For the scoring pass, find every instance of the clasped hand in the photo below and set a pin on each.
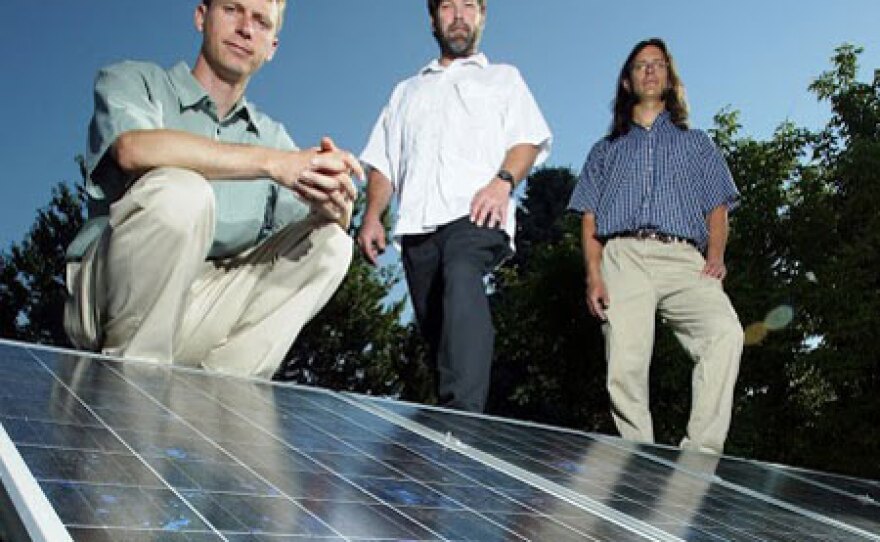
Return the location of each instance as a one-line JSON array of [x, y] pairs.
[[323, 177]]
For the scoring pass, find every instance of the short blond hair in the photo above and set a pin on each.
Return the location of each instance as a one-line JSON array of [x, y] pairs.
[[282, 4]]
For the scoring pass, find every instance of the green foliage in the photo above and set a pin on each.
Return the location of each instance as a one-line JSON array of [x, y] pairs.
[[356, 343], [548, 365], [32, 273]]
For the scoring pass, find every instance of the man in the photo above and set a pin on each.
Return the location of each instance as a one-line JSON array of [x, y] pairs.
[[655, 197], [212, 238], [452, 143]]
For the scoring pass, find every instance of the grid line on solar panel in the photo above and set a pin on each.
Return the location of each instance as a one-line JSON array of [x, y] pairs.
[[486, 428], [781, 519], [504, 470], [231, 411], [828, 505], [219, 497], [342, 464], [106, 396], [851, 503], [64, 493], [541, 460], [829, 534], [448, 454]]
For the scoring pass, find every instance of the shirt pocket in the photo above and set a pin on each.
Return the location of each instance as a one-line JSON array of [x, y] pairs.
[[482, 105]]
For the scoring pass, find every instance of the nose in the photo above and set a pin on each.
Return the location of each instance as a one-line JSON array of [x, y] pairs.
[[245, 25]]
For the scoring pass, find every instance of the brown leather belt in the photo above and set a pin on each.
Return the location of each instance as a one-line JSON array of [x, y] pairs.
[[655, 235]]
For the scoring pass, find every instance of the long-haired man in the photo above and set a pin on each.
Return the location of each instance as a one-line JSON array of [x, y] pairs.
[[654, 196]]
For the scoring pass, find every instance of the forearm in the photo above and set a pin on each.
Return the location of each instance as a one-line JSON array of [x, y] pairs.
[[379, 192], [717, 223], [139, 151], [591, 247], [520, 159]]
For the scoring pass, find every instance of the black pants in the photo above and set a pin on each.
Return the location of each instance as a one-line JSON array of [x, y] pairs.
[[444, 273]]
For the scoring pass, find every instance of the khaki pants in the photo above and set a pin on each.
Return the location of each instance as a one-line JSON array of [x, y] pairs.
[[144, 289], [643, 276]]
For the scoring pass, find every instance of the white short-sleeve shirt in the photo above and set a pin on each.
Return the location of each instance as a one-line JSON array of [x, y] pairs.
[[444, 134]]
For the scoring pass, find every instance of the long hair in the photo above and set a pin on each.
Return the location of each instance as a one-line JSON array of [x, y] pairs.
[[625, 99]]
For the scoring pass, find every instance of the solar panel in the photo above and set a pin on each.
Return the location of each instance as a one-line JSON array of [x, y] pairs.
[[94, 449]]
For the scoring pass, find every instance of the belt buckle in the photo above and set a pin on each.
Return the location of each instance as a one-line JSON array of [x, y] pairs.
[[643, 234]]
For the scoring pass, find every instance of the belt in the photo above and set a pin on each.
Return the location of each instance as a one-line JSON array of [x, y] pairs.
[[655, 235]]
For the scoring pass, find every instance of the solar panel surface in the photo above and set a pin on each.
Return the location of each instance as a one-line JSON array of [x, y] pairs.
[[136, 451]]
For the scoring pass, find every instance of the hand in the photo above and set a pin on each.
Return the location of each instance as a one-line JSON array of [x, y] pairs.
[[714, 268], [371, 239], [340, 165], [597, 298], [489, 206], [322, 177]]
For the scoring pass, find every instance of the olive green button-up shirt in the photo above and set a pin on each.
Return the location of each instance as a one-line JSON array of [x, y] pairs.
[[142, 96]]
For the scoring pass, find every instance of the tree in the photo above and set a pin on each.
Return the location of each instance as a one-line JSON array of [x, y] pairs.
[[32, 278], [548, 363], [842, 251]]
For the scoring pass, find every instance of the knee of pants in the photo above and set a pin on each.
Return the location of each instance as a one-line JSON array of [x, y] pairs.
[[730, 330], [176, 199]]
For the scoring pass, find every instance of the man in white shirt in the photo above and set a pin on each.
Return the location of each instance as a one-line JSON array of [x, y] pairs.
[[451, 144]]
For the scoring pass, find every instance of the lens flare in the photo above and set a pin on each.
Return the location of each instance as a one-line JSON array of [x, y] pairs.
[[755, 333], [779, 317]]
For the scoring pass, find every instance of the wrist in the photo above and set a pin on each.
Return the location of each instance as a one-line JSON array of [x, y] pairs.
[[268, 162], [507, 178], [372, 218]]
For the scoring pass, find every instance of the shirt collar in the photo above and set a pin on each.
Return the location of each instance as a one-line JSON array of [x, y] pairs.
[[663, 120], [191, 94], [478, 59]]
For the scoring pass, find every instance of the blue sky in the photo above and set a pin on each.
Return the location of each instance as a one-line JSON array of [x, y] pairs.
[[339, 60]]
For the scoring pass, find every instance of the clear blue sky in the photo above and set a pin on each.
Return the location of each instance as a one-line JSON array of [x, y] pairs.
[[339, 59]]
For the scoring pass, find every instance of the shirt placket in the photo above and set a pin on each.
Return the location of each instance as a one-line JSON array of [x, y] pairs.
[[436, 148], [648, 179]]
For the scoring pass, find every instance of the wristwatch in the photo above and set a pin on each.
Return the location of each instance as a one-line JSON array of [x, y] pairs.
[[507, 177]]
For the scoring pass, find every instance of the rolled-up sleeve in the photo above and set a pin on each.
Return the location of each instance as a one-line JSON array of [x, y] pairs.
[[523, 121], [585, 196], [122, 104]]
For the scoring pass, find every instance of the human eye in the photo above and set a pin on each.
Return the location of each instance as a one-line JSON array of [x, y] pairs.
[[264, 23]]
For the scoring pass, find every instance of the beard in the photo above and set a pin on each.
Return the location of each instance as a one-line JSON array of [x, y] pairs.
[[460, 46]]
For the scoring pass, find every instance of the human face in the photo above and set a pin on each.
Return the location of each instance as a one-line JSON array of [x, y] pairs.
[[238, 36], [458, 25], [649, 74]]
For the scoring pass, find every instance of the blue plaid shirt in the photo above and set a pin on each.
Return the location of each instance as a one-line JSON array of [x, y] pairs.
[[663, 178]]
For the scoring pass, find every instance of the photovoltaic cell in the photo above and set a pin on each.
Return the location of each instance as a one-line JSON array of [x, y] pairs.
[[133, 451]]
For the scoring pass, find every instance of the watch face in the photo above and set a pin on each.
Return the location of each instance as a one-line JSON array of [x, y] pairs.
[[505, 175]]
